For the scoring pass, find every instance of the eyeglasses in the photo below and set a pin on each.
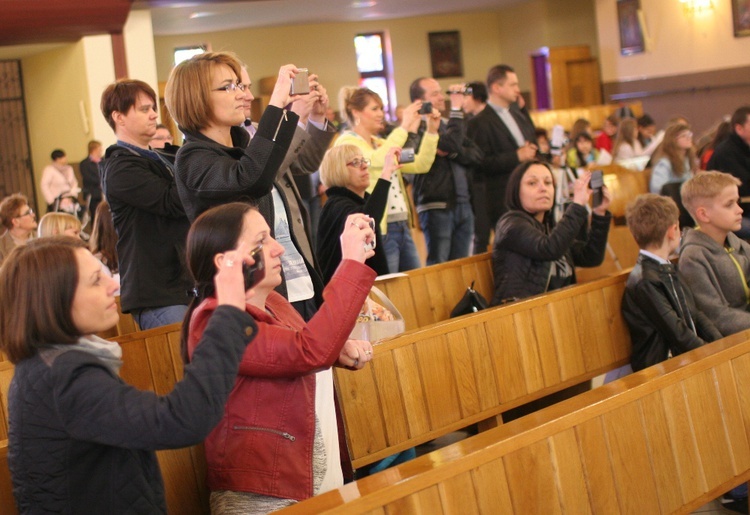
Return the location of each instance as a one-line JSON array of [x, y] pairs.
[[27, 213], [232, 87], [359, 162]]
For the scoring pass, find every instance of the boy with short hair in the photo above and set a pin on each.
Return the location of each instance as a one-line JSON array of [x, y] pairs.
[[658, 308], [713, 260]]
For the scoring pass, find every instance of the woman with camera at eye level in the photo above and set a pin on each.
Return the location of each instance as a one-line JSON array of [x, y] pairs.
[[344, 171], [278, 441], [364, 113], [80, 439], [531, 253]]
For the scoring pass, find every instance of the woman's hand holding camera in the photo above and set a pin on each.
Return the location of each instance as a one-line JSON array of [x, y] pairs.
[[601, 209], [358, 238], [411, 117], [390, 163], [280, 96], [229, 281]]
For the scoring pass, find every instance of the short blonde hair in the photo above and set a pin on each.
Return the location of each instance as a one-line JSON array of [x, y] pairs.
[[649, 216], [55, 224], [704, 187], [188, 90], [333, 170]]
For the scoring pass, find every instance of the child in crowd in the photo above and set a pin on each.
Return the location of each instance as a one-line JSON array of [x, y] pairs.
[[659, 310], [59, 224], [606, 138], [715, 262], [582, 153]]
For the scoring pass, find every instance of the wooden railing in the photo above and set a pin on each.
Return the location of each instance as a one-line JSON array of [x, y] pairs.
[[667, 439]]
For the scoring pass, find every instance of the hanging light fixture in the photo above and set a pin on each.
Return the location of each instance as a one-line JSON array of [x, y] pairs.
[[697, 6]]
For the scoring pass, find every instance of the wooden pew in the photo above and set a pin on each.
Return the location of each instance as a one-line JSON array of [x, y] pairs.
[[668, 439], [596, 114], [7, 504], [429, 382], [427, 295]]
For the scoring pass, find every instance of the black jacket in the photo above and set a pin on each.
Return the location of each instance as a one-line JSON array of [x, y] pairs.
[[524, 249], [341, 203], [151, 229], [82, 441], [661, 314], [209, 174], [436, 189], [733, 156], [91, 180]]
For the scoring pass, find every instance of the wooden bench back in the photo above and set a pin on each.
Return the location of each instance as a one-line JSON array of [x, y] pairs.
[[7, 503], [429, 382], [667, 439], [596, 114]]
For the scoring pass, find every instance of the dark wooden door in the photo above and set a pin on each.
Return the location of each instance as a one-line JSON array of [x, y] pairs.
[[15, 158]]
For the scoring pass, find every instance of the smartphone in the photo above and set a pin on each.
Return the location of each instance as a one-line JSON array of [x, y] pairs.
[[300, 85], [257, 271], [596, 184], [373, 243], [407, 155], [426, 108]]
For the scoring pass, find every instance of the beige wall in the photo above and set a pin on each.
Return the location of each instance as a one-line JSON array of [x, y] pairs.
[[54, 85], [100, 72], [680, 43], [139, 47], [487, 38]]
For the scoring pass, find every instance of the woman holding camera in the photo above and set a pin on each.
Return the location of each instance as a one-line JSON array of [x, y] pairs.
[[80, 439], [278, 442], [531, 254], [364, 113], [344, 171]]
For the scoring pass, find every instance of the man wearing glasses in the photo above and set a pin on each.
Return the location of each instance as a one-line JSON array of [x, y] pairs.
[[19, 221]]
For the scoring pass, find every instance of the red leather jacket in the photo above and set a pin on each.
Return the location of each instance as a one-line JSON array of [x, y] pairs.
[[264, 442]]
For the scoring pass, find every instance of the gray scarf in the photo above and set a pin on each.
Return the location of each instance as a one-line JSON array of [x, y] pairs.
[[106, 351]]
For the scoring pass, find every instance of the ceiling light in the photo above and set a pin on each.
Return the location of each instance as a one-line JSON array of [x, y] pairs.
[[359, 4], [201, 14]]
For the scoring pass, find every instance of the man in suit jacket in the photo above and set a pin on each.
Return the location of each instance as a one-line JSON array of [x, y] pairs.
[[505, 135]]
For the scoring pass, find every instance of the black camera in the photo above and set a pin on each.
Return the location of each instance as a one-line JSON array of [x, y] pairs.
[[426, 108], [466, 91]]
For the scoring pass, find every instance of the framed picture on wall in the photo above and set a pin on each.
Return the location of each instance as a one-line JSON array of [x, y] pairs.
[[631, 31], [445, 54], [741, 17]]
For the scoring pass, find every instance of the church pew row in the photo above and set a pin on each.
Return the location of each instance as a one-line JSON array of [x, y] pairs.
[[429, 382], [668, 439], [596, 114]]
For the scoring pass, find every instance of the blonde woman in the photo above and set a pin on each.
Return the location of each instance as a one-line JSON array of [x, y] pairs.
[[363, 109], [59, 224]]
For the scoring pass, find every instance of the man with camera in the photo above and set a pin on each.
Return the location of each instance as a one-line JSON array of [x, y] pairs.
[[442, 196], [504, 133]]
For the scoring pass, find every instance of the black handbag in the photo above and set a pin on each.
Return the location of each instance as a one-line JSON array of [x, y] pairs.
[[471, 302]]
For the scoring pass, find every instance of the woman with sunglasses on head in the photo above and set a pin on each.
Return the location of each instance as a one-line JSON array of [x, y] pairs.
[[345, 172], [278, 442], [80, 439]]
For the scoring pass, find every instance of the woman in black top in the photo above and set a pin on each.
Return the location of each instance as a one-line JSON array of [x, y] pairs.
[[532, 254], [344, 171], [80, 439]]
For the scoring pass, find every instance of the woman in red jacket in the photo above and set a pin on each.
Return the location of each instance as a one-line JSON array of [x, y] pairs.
[[278, 442]]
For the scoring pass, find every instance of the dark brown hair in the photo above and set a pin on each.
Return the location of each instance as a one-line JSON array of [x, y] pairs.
[[356, 99], [214, 231], [104, 237], [37, 284], [120, 96]]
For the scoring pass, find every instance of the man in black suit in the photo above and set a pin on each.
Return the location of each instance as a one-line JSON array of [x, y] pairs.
[[505, 135]]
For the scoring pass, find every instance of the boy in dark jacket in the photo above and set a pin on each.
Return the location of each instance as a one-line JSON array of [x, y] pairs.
[[657, 306]]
